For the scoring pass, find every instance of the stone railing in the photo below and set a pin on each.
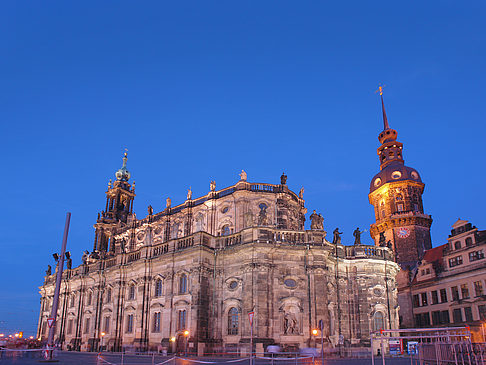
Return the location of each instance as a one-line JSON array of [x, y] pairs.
[[230, 240]]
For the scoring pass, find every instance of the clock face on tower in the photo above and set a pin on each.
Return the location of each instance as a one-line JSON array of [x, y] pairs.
[[403, 232]]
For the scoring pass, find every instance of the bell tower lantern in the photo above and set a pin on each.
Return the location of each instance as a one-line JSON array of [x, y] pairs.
[[119, 206], [396, 194]]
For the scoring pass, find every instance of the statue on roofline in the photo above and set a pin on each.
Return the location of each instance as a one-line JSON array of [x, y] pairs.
[[337, 237]]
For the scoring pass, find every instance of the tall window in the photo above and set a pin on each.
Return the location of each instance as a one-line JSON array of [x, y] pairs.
[[478, 288], [378, 321], [435, 297], [424, 298], [181, 320], [443, 296], [457, 315], [455, 293], [158, 288], [106, 325], [70, 327], [156, 322], [129, 323], [482, 312], [233, 321], [464, 291], [468, 314], [108, 295], [90, 297], [131, 292], [182, 284], [71, 303], [86, 326]]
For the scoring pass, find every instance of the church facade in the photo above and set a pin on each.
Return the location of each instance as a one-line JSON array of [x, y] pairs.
[[194, 271]]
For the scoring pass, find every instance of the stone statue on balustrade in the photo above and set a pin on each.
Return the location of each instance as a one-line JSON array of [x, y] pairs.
[[150, 210], [283, 179], [317, 221], [189, 194], [301, 193], [243, 175], [49, 270], [69, 263], [85, 257], [357, 236], [337, 237]]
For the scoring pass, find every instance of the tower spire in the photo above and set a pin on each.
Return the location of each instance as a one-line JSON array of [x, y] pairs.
[[385, 119]]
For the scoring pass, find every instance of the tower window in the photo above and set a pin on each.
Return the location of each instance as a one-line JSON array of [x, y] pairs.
[[399, 207]]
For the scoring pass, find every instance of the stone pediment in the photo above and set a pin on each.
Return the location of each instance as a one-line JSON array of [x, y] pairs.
[[459, 223], [156, 305]]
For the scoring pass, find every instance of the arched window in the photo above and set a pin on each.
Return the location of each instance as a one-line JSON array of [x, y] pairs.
[[378, 321], [182, 284], [90, 297], [457, 245], [158, 288], [469, 241], [233, 321], [382, 207], [131, 292], [108, 295], [225, 231]]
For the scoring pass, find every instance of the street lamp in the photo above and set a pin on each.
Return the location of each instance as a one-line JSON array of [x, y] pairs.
[[186, 335], [102, 337]]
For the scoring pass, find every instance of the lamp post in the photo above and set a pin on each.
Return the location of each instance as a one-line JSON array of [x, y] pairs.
[[102, 337], [186, 335]]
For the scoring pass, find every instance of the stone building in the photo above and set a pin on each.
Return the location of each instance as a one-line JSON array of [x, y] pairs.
[[204, 264], [448, 286]]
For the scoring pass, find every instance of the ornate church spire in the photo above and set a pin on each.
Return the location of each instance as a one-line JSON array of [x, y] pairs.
[[385, 119]]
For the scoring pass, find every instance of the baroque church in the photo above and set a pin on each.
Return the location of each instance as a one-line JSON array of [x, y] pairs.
[[200, 267]]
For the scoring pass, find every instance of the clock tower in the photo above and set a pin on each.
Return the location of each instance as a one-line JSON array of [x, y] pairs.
[[396, 194]]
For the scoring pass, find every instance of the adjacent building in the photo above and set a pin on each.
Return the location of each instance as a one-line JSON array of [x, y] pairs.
[[448, 287]]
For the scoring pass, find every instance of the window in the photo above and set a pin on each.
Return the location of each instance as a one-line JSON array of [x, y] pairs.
[[86, 326], [444, 317], [131, 292], [469, 242], [457, 245], [106, 325], [455, 261], [468, 314], [435, 297], [400, 207], [181, 320], [482, 312], [71, 303], [182, 284], [156, 322], [233, 321], [90, 297], [478, 288], [158, 288], [70, 327], [129, 323], [422, 320], [108, 295], [44, 327], [457, 315], [416, 301], [455, 293], [464, 291], [424, 299], [476, 255], [225, 231], [443, 296], [436, 317]]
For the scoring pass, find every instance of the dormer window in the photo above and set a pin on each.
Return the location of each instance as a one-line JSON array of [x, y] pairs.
[[469, 241], [457, 245]]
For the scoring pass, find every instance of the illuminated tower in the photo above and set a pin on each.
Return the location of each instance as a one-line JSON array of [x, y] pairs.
[[396, 194], [119, 205]]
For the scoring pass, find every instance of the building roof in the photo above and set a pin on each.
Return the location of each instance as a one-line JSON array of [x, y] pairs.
[[434, 254]]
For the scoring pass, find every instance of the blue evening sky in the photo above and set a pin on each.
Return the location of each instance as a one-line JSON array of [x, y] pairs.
[[200, 90]]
